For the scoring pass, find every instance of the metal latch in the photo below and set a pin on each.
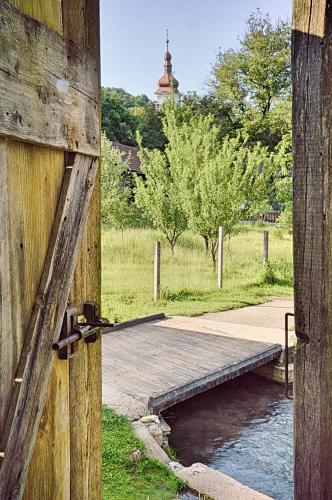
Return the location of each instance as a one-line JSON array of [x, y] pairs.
[[73, 331]]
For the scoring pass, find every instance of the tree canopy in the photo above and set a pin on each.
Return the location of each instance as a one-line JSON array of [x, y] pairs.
[[123, 115], [254, 81]]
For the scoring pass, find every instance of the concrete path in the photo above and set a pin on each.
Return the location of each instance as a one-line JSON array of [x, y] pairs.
[[151, 366]]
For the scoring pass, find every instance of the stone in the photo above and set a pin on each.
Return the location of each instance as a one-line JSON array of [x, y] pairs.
[[137, 455], [150, 418], [156, 432]]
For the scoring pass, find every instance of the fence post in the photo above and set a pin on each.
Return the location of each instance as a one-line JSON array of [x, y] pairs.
[[266, 246], [156, 277], [220, 256]]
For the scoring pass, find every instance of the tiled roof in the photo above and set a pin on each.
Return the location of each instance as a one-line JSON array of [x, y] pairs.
[[130, 153]]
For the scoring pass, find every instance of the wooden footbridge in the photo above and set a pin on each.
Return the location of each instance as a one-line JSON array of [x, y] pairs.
[[150, 366]]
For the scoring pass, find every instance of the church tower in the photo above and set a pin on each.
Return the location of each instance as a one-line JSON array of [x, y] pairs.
[[167, 85]]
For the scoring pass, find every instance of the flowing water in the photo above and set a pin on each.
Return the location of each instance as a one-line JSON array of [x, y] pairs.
[[243, 428]]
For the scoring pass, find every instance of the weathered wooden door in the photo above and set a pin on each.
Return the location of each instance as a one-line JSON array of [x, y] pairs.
[[49, 106]]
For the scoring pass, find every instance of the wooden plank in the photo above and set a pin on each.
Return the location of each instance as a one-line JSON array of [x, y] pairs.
[[181, 393], [44, 328], [312, 139], [41, 75], [133, 322], [34, 192], [29, 197], [48, 13], [81, 26]]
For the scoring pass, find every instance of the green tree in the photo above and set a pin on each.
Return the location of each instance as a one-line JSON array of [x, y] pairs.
[[158, 195], [123, 115], [117, 121], [116, 206], [217, 184], [150, 127], [283, 159], [255, 80]]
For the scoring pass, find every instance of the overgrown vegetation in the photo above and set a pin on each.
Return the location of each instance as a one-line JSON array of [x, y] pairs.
[[125, 476], [189, 285]]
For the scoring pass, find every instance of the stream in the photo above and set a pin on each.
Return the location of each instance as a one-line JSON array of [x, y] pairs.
[[243, 428]]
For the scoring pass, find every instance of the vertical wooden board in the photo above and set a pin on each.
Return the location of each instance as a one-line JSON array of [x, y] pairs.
[[35, 180], [312, 140], [46, 11], [31, 178], [49, 472], [85, 369], [81, 25]]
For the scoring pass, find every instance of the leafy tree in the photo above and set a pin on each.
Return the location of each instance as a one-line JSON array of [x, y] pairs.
[[117, 121], [123, 115], [192, 104], [150, 126], [217, 184], [284, 182], [116, 207], [255, 80], [158, 195]]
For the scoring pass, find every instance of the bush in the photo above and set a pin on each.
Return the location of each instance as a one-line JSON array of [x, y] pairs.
[[269, 276]]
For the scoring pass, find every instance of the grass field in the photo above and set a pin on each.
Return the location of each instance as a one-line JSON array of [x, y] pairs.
[[125, 478], [188, 283]]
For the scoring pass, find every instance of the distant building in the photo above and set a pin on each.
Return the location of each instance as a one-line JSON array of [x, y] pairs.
[[130, 154], [168, 86]]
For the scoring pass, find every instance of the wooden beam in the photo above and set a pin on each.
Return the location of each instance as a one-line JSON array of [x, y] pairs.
[[181, 393], [49, 86], [312, 143], [37, 356], [81, 25]]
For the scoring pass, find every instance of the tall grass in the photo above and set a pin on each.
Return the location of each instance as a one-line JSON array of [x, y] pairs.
[[189, 285]]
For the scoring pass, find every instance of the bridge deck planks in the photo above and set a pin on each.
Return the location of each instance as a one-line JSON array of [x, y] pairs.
[[162, 365]]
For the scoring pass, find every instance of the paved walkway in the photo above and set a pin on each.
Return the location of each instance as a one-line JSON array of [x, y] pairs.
[[151, 366]]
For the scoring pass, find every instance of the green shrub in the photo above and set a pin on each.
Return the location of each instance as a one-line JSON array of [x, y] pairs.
[[269, 276]]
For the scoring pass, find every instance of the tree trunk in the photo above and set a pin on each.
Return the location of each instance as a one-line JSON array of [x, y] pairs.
[[312, 142], [206, 243], [213, 250]]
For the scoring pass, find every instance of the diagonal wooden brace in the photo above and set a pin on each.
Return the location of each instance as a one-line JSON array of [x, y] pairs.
[[37, 357]]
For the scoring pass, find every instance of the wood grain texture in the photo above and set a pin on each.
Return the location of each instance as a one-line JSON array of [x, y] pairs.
[[33, 183], [81, 26], [312, 142], [48, 13], [161, 365], [36, 359], [28, 203], [49, 86]]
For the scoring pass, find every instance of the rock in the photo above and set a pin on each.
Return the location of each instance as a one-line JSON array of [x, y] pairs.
[[165, 427], [150, 418], [175, 466], [137, 455], [156, 432]]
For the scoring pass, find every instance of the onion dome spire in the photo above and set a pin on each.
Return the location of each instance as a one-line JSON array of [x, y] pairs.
[[167, 84]]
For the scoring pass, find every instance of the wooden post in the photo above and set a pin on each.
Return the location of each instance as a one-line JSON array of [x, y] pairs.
[[220, 256], [312, 139], [156, 278], [266, 246]]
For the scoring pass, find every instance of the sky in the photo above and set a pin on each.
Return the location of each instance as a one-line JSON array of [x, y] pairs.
[[133, 34]]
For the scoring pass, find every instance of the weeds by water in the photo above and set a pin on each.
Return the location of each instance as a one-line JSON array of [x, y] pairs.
[[125, 478]]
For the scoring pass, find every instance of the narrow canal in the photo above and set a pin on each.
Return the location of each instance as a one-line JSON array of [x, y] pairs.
[[243, 428]]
